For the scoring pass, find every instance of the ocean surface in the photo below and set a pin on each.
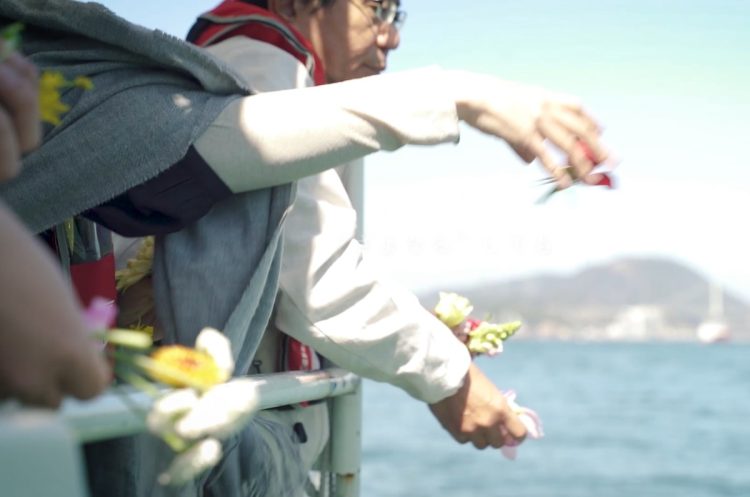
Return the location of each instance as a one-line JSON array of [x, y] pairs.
[[621, 420]]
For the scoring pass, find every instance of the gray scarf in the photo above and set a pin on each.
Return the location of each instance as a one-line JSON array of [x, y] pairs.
[[146, 84]]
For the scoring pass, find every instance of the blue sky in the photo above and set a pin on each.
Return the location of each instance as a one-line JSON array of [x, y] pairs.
[[670, 81]]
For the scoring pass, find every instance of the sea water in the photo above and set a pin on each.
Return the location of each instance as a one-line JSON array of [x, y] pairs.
[[621, 420]]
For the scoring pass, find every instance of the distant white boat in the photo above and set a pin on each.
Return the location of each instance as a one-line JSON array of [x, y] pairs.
[[715, 328], [713, 331]]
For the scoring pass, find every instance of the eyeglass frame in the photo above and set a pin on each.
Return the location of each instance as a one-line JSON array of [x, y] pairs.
[[393, 16]]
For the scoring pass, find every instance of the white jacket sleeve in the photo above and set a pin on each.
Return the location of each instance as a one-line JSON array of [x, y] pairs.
[[332, 299], [278, 137]]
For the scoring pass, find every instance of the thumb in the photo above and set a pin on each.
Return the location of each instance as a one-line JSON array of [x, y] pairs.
[[87, 374]]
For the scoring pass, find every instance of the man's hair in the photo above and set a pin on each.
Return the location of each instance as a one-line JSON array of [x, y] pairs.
[[264, 3], [200, 24]]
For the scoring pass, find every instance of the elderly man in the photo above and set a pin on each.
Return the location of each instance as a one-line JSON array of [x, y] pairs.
[[330, 297]]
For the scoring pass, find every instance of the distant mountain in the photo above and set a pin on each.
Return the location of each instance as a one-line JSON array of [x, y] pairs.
[[627, 298]]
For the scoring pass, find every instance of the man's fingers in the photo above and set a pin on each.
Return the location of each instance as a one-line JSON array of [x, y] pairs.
[[496, 438], [515, 430], [10, 155], [480, 442], [588, 133], [45, 397], [35, 389], [87, 374], [580, 158], [19, 97], [539, 149], [582, 126], [24, 68]]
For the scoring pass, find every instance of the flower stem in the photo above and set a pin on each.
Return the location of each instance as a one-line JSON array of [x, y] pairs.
[[11, 35]]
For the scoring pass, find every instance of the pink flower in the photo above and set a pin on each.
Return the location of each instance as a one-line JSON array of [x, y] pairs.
[[473, 324], [100, 314], [530, 420]]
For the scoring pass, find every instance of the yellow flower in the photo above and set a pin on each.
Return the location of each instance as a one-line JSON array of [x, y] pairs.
[[50, 105], [452, 309], [83, 82], [180, 366], [50, 82], [49, 97], [138, 267], [145, 329]]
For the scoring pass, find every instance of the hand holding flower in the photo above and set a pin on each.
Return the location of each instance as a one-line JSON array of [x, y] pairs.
[[205, 409], [46, 351], [479, 413], [596, 178]]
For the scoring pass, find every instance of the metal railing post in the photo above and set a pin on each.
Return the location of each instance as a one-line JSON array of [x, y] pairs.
[[39, 456], [346, 443]]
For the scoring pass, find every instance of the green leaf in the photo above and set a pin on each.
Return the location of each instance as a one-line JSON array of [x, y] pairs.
[[11, 35]]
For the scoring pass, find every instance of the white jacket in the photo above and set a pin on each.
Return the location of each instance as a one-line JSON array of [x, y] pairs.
[[330, 297]]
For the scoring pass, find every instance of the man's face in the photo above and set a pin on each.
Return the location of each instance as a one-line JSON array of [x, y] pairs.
[[348, 37]]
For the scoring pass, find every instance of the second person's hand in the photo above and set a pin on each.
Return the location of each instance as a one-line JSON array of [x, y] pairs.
[[479, 413]]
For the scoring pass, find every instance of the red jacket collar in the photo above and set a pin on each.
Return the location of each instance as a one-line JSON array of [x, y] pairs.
[[236, 18]]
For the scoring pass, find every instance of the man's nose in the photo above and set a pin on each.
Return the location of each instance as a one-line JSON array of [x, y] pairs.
[[388, 37]]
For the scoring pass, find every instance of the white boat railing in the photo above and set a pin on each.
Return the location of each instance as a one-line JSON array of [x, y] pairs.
[[40, 450]]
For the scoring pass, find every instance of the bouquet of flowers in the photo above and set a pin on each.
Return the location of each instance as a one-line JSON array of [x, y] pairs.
[[483, 337], [203, 405]]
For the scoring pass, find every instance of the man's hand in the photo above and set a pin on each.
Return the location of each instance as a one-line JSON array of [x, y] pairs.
[[478, 413], [532, 121], [45, 350]]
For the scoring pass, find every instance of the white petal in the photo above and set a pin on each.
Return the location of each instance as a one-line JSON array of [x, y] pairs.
[[452, 308], [162, 416], [191, 463], [531, 421], [509, 452], [221, 411], [217, 345]]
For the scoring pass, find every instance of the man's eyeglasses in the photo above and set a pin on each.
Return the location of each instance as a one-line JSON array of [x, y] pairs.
[[388, 12]]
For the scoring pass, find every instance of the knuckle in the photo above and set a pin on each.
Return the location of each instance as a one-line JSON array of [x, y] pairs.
[[52, 398], [26, 98], [461, 438], [6, 125], [68, 355], [9, 168], [29, 69], [35, 389], [480, 444]]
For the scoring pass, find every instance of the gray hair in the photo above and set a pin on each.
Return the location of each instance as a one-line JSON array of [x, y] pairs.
[[264, 3]]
